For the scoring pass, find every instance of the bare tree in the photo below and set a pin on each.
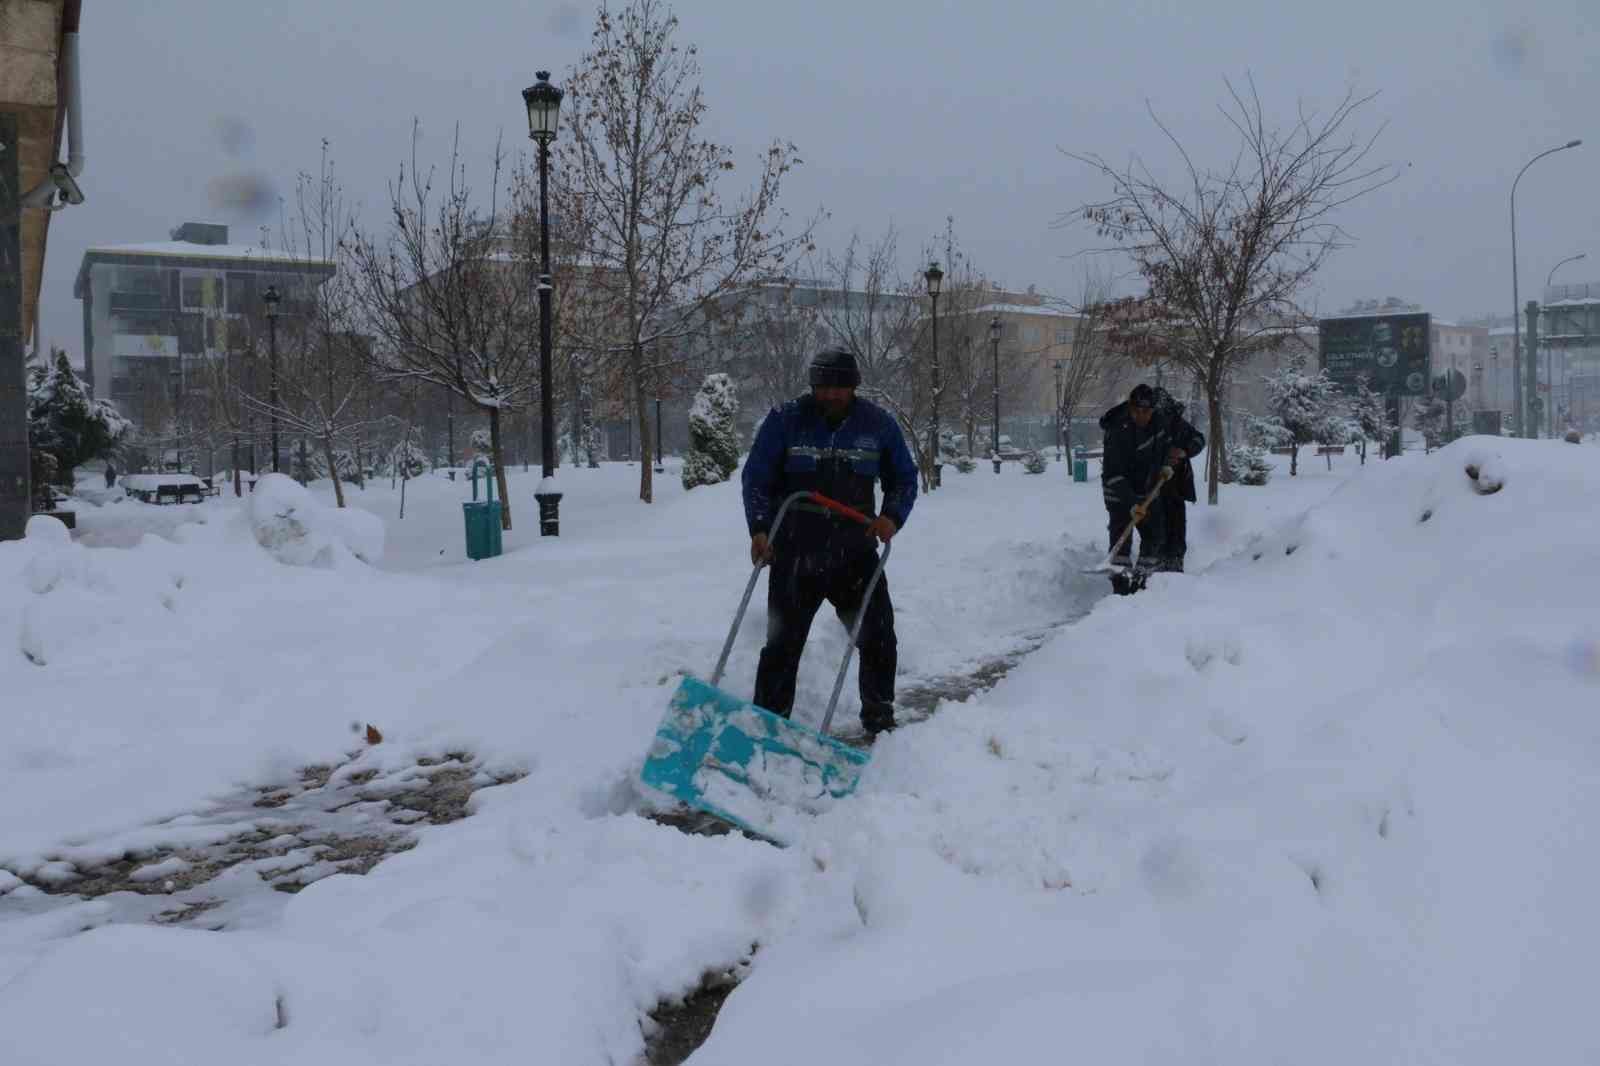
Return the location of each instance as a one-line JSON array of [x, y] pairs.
[[324, 372], [1095, 370], [1225, 253], [449, 296], [778, 335], [964, 353], [871, 308], [641, 189]]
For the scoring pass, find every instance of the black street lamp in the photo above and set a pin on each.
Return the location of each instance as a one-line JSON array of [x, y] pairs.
[[543, 101], [935, 278], [1059, 367], [271, 298], [660, 467], [994, 344], [1525, 423]]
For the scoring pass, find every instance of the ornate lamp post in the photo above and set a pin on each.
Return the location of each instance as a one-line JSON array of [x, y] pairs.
[[660, 466], [994, 345], [272, 298], [1059, 367], [543, 101], [934, 278], [1524, 409]]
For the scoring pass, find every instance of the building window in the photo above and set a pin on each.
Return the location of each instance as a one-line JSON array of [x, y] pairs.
[[1030, 335], [241, 293], [202, 292], [1063, 336]]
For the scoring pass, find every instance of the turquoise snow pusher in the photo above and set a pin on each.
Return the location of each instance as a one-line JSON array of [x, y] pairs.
[[742, 763]]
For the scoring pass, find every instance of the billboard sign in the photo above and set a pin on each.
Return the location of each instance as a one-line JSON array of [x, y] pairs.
[[1390, 351]]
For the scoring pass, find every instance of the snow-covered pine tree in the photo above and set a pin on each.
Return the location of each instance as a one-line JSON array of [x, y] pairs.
[[1248, 464], [407, 460], [713, 435], [1429, 416], [1370, 412], [65, 423], [1302, 408]]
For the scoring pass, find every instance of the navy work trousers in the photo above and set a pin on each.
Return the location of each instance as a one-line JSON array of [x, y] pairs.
[[796, 587]]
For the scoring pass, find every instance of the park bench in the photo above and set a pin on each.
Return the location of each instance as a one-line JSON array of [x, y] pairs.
[[178, 493]]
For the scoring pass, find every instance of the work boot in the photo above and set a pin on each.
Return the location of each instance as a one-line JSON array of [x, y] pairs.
[[877, 718]]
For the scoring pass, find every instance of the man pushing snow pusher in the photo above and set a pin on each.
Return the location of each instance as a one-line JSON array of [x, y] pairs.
[[839, 445], [1143, 436], [808, 499]]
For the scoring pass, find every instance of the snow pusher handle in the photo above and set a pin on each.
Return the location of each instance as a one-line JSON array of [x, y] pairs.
[[1127, 531], [834, 505], [820, 500]]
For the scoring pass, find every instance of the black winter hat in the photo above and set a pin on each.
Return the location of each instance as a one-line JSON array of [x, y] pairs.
[[1142, 396], [835, 367]]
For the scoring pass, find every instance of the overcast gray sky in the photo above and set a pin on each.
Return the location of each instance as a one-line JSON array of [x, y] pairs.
[[903, 112]]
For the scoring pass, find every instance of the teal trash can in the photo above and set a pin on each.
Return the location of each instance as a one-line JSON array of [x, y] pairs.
[[482, 518], [1080, 465]]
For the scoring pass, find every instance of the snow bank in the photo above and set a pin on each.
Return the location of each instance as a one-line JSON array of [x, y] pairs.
[[289, 522], [1328, 801], [1321, 800]]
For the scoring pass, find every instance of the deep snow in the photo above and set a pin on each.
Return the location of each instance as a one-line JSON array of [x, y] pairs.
[[1324, 798]]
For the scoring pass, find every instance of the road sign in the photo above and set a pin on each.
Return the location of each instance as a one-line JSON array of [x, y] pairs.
[[1450, 386]]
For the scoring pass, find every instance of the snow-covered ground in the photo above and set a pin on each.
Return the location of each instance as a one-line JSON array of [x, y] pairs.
[[1323, 799]]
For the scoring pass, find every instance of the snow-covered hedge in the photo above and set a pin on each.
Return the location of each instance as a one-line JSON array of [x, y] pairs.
[[288, 522]]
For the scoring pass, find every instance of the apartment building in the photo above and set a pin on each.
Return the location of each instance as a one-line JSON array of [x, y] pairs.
[[153, 312]]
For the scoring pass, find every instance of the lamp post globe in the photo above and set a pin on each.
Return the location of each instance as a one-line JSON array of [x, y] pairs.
[[543, 103]]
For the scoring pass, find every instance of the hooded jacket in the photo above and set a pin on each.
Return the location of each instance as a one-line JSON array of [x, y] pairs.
[[1133, 457]]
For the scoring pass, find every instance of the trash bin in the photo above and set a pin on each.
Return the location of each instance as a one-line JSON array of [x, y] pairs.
[[482, 518], [1080, 465]]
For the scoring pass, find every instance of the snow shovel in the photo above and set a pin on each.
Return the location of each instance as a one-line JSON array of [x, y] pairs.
[[744, 764], [1108, 567]]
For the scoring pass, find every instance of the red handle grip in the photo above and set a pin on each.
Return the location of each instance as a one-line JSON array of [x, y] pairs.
[[834, 505]]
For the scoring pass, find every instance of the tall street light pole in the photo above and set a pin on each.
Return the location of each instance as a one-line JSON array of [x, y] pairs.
[[543, 102], [272, 298], [1059, 367], [934, 277], [1549, 349], [994, 344], [1524, 421], [660, 466]]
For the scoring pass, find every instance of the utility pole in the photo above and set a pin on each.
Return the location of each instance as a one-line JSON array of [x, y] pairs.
[[1534, 403], [15, 490]]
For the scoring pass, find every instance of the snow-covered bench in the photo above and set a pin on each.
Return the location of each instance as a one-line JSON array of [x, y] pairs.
[[159, 488]]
